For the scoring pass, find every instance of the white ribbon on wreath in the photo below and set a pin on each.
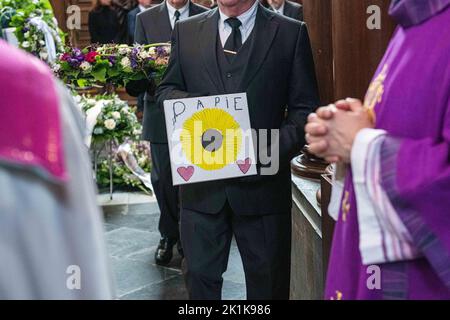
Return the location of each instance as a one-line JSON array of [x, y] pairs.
[[130, 161], [50, 37], [124, 151]]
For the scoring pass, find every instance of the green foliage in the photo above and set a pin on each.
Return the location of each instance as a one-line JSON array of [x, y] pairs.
[[112, 64], [30, 38], [122, 176], [116, 122]]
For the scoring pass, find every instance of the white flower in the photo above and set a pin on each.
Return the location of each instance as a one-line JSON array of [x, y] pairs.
[[144, 54], [152, 50], [168, 50], [85, 66], [110, 124], [137, 132], [43, 55], [56, 67], [25, 44], [123, 49], [116, 115], [42, 42], [26, 34], [125, 62]]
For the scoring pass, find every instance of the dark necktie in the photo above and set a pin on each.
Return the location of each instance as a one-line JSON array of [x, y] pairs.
[[234, 41], [177, 15]]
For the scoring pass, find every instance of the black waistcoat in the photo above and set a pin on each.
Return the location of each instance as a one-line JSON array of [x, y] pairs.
[[232, 73]]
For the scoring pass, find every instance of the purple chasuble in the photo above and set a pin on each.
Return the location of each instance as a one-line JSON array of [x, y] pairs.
[[410, 94]]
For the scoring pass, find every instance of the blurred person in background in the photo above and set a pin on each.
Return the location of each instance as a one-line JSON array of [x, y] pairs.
[[132, 15], [142, 6], [123, 7], [153, 26], [104, 23], [51, 233], [287, 8]]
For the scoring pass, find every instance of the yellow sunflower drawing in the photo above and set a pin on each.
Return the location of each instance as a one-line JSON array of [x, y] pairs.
[[211, 139]]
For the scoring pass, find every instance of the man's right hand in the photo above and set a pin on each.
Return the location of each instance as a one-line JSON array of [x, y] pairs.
[[136, 87]]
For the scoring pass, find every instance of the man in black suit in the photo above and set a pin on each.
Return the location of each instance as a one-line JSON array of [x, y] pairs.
[[155, 26], [287, 8], [132, 15], [243, 47]]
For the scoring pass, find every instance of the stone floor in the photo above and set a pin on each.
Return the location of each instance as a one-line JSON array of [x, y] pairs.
[[131, 224]]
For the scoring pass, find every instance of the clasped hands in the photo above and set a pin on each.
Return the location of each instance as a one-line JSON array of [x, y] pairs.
[[331, 131]]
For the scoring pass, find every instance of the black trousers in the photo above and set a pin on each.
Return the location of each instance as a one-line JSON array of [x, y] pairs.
[[166, 194], [140, 102], [264, 243]]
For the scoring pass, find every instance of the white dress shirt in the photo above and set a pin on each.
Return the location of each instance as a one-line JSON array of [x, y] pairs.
[[280, 10], [184, 12], [248, 22]]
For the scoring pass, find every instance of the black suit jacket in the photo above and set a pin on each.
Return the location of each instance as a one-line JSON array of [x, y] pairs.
[[280, 75], [153, 26], [293, 10], [132, 15]]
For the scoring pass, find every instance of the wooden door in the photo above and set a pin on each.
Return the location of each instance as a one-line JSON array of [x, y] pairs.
[[77, 37], [346, 51]]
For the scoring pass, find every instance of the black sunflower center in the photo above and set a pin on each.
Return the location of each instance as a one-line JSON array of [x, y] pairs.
[[212, 140]]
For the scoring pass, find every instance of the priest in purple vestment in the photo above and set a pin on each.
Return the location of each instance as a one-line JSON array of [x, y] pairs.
[[52, 244], [391, 191]]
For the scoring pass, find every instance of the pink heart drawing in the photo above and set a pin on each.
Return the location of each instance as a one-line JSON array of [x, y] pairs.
[[244, 165], [186, 172]]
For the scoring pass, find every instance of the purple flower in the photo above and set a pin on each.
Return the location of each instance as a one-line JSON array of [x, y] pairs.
[[134, 58], [77, 54], [160, 51], [112, 59], [74, 62]]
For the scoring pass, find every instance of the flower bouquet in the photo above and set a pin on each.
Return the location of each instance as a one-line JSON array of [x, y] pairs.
[[122, 176], [113, 134], [36, 27], [112, 64], [109, 118]]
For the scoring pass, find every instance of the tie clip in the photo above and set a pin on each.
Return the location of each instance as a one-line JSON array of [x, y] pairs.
[[230, 52]]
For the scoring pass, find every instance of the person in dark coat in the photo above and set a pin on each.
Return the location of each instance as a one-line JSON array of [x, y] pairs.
[[132, 15], [243, 47], [103, 23], [123, 7], [131, 19], [155, 25], [287, 8]]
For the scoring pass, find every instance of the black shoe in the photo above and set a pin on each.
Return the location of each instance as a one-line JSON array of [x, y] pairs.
[[164, 252], [180, 249]]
